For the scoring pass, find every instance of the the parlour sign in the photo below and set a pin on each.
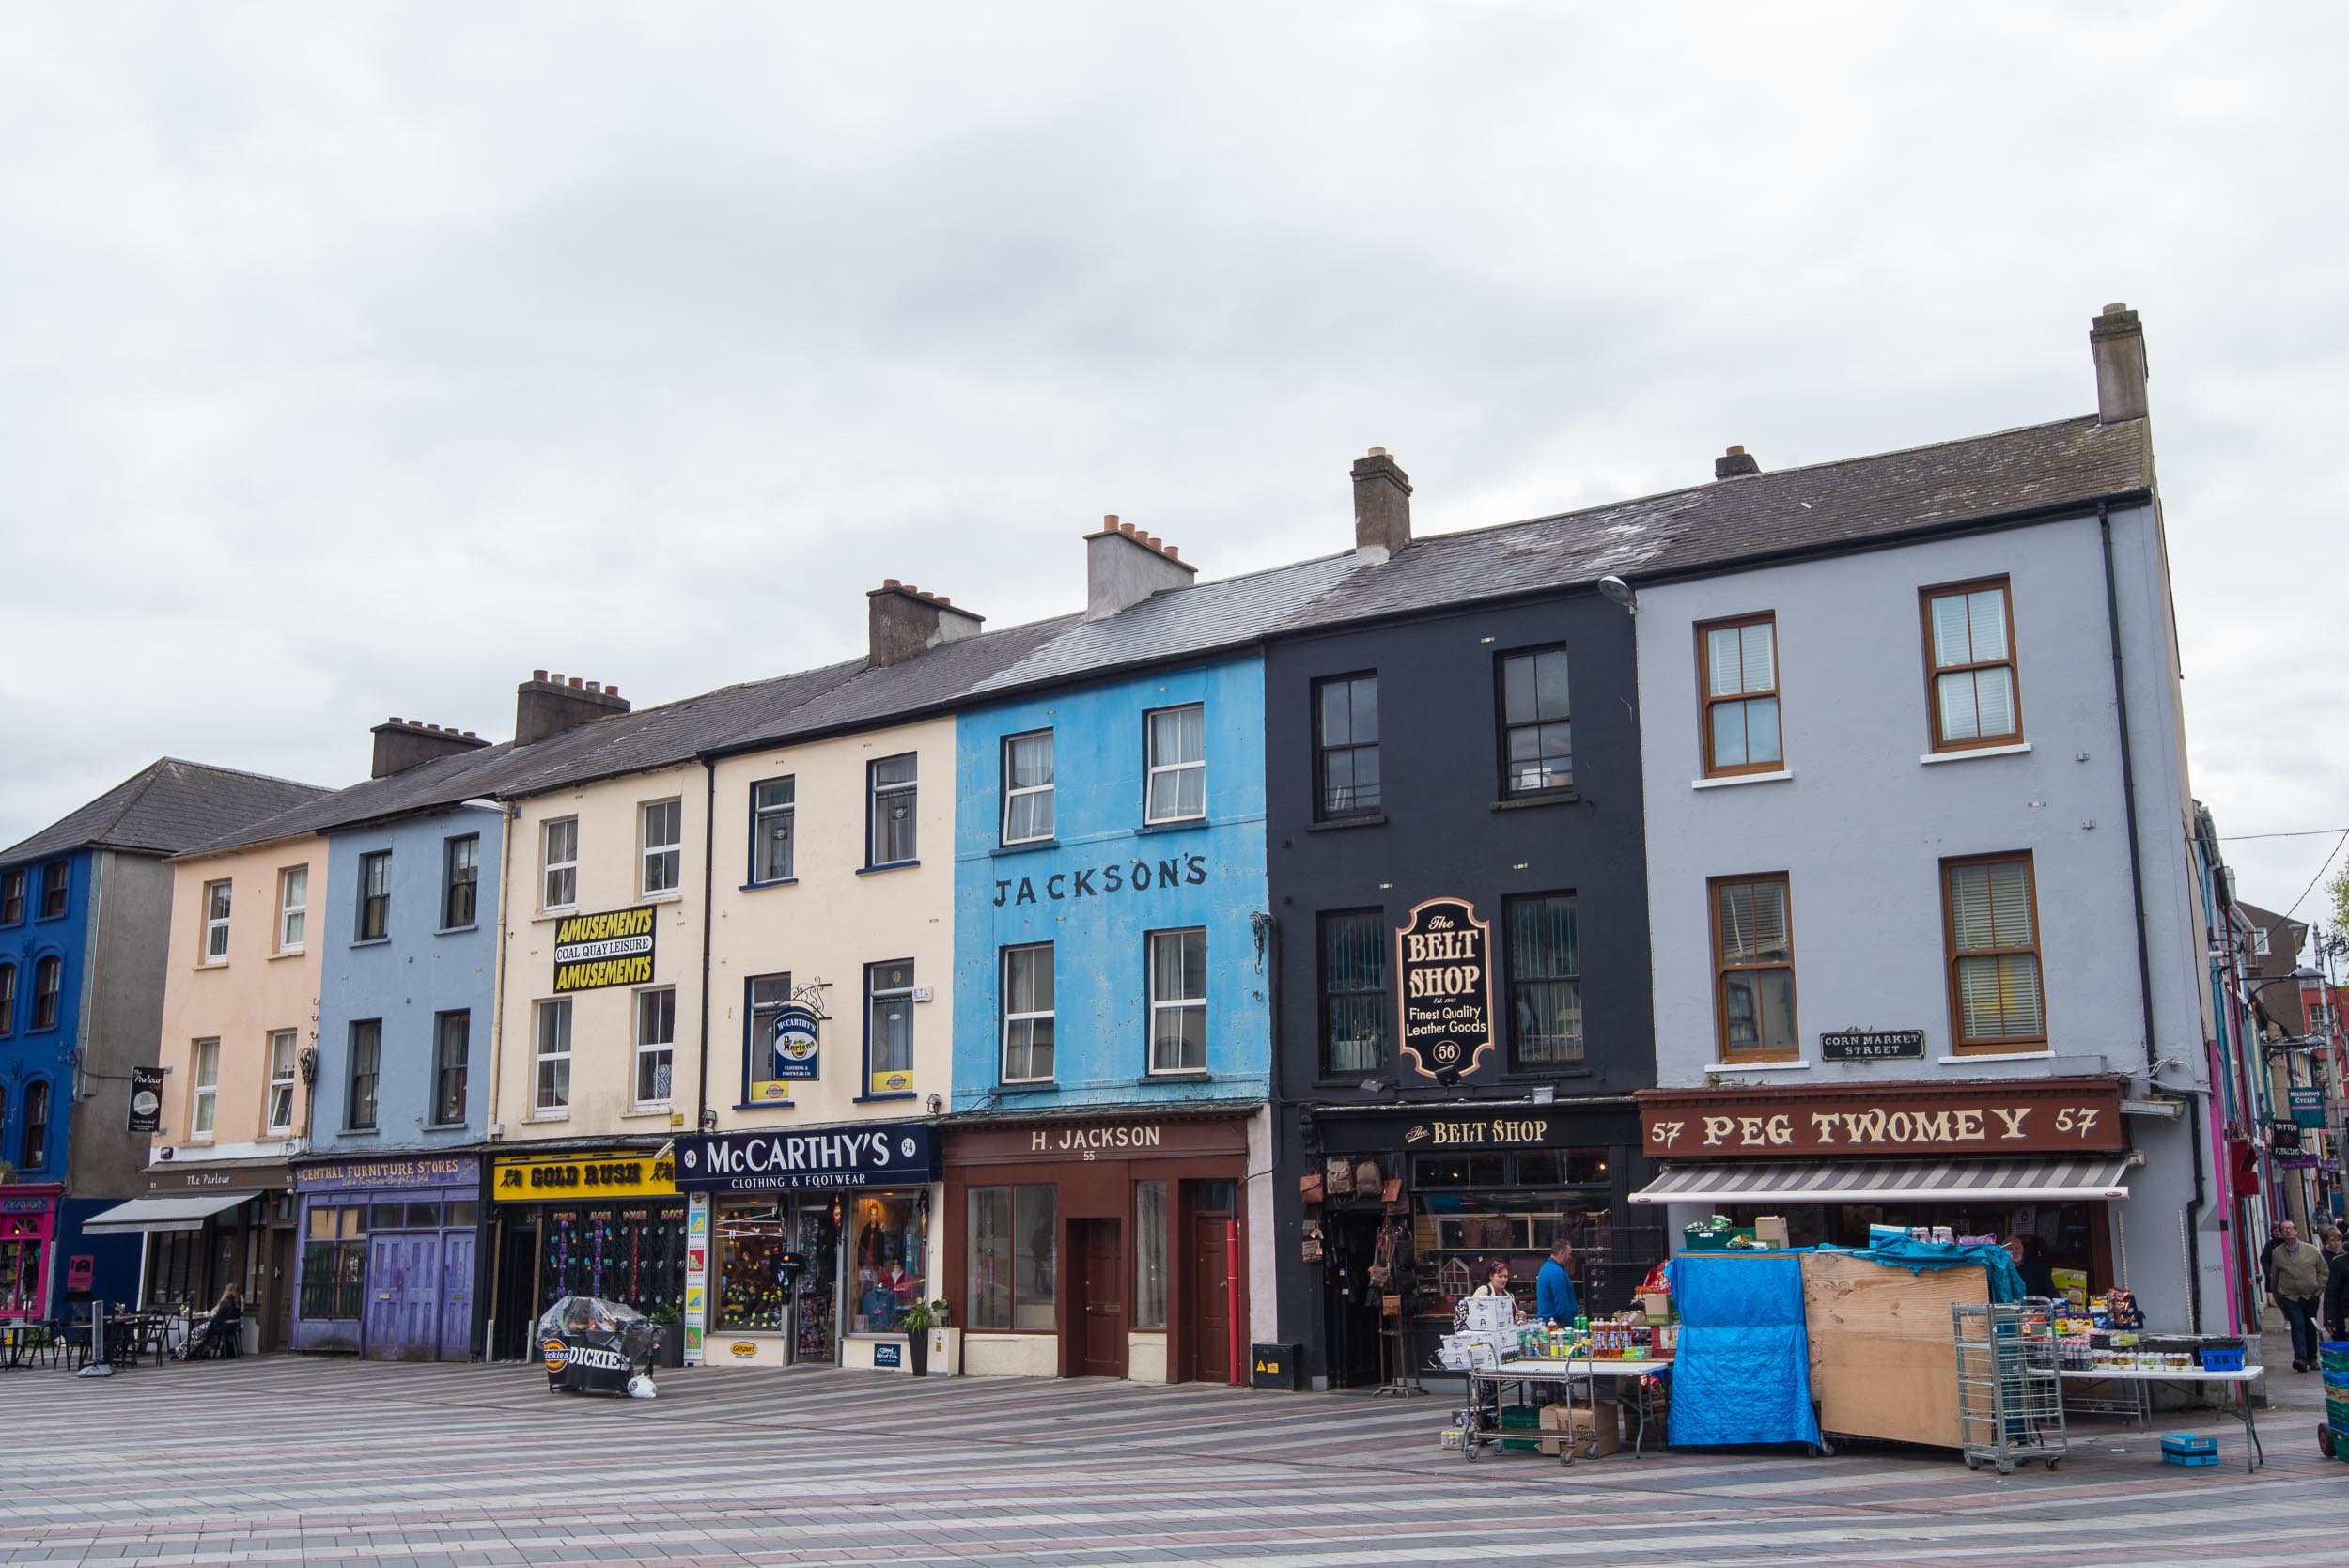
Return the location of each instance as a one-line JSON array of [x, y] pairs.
[[1444, 957], [2045, 1115]]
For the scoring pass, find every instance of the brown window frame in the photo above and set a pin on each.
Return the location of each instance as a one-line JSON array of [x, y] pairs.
[[2012, 663], [1707, 702], [2007, 1045], [1722, 969]]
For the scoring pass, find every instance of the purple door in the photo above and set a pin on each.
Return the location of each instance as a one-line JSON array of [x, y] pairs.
[[456, 1296], [403, 1297]]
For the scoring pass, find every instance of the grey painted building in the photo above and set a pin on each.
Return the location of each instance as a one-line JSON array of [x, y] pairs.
[[1892, 776]]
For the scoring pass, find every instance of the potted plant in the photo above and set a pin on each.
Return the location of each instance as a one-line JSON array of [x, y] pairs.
[[919, 1320], [669, 1319]]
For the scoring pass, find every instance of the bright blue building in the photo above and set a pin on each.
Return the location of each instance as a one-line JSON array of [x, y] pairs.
[[84, 919]]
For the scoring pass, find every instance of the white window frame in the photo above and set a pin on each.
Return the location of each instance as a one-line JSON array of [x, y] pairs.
[[548, 865], [285, 1061], [2259, 942], [881, 796], [215, 949], [672, 851], [1022, 792], [1157, 1005], [1011, 1018], [291, 908], [645, 1047], [204, 1089], [1153, 767], [762, 815], [541, 1059]]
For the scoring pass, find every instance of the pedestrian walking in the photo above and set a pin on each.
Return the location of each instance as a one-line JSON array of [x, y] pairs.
[[2300, 1277]]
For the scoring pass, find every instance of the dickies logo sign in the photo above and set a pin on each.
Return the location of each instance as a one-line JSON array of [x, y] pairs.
[[558, 1355]]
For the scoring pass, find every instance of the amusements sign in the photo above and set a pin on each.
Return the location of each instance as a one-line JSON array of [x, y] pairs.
[[1444, 956], [613, 948]]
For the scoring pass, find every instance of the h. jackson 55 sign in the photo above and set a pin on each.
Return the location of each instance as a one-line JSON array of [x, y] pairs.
[[878, 1153]]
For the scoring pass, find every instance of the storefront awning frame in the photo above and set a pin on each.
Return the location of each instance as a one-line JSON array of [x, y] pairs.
[[175, 1212], [2055, 1179]]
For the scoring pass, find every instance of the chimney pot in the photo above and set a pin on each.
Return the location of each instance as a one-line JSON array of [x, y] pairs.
[[1734, 464], [890, 582], [577, 684], [556, 678], [398, 720], [944, 600], [611, 691], [1173, 555], [470, 736], [1382, 504], [538, 674], [1109, 520], [2116, 339], [595, 686], [1126, 529]]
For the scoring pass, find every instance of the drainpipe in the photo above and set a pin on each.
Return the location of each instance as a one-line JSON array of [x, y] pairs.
[[506, 904], [709, 883], [2137, 894]]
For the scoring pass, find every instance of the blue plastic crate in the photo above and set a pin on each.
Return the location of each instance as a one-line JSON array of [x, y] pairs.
[[2188, 1447], [2216, 1359], [2189, 1460]]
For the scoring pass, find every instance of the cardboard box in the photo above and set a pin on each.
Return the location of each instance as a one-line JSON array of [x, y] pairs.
[[1608, 1429], [1770, 1230], [1657, 1304], [1490, 1312]]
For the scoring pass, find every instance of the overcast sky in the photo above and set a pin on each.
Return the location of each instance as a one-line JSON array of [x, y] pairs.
[[360, 358]]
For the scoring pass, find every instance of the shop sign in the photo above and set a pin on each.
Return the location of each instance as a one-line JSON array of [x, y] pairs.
[[559, 1356], [1093, 1142], [880, 1155], [796, 1053], [1167, 1138], [610, 948], [887, 1355], [2308, 1106], [147, 1100], [195, 1178], [79, 1270], [1099, 881], [742, 1350], [2039, 1116], [1509, 1130], [19, 1203], [421, 1170], [1873, 1045], [531, 1181], [1444, 957], [2295, 1162]]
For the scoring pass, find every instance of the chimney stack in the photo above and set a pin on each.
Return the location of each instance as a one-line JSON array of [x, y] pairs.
[[403, 743], [901, 620], [1382, 506], [1735, 463], [547, 704], [2118, 343], [1125, 566]]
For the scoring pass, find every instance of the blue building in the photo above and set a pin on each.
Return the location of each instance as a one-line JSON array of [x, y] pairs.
[[1112, 982], [84, 917]]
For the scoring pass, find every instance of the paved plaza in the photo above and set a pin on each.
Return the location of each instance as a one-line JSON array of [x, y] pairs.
[[290, 1460]]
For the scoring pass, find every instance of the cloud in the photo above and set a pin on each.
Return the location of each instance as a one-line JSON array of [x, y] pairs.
[[365, 358]]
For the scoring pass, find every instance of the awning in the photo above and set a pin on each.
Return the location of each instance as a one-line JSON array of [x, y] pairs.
[[165, 1214], [1857, 1181]]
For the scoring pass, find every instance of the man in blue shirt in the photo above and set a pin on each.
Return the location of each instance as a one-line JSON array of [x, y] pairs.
[[1553, 1287]]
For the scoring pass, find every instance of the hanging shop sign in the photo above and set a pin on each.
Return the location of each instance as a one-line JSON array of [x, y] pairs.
[[795, 1057], [348, 1175], [610, 948], [629, 1175], [1444, 956], [2048, 1115], [2308, 1106], [1873, 1045], [147, 1099], [881, 1153]]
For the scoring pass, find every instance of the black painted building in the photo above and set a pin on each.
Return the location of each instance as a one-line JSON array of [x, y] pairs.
[[1457, 877]]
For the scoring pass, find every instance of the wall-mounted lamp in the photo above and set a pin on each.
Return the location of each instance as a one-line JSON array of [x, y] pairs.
[[1617, 589]]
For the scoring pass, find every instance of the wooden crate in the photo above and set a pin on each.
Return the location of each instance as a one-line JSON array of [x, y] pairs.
[[1883, 1358]]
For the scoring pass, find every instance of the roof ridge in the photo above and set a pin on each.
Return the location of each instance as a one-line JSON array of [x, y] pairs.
[[145, 779], [1707, 484], [243, 773]]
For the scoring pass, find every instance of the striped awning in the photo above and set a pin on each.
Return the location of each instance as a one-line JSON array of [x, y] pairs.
[[1856, 1181]]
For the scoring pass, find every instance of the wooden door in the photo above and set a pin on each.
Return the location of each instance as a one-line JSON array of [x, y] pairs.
[[1210, 1332], [456, 1302], [1100, 1299], [277, 1310]]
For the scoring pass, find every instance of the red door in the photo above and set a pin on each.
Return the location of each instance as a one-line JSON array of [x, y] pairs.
[[1099, 1298]]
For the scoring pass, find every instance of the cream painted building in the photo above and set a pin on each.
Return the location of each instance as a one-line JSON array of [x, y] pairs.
[[239, 1021], [834, 870]]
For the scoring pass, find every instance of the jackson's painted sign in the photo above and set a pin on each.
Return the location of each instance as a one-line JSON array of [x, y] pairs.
[[1095, 881], [610, 948], [879, 1154], [1444, 956], [2036, 1117]]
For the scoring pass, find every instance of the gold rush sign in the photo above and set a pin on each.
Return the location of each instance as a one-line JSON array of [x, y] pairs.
[[614, 948]]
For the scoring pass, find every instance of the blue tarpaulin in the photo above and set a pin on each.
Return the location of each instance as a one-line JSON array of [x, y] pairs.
[[2006, 1282], [1743, 1372]]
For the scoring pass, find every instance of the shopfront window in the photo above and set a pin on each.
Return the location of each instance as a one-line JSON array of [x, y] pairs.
[[631, 1252], [334, 1264], [1475, 1210], [1149, 1254], [889, 1241], [21, 1265], [754, 1237], [1014, 1237]]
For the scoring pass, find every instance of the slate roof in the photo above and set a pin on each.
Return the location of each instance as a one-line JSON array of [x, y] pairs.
[[1706, 527], [1714, 525], [164, 808]]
